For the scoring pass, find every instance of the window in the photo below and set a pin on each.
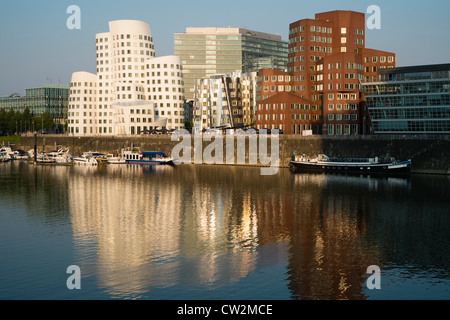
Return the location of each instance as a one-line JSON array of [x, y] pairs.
[[330, 129]]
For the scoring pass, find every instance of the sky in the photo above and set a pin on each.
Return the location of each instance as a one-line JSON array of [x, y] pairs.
[[37, 48]]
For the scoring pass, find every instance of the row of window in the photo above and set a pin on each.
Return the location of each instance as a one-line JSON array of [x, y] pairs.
[[340, 129], [311, 29], [340, 117], [297, 49], [125, 36], [409, 88], [418, 126], [294, 117], [411, 113]]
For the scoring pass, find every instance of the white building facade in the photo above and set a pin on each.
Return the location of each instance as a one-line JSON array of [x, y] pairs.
[[132, 92]]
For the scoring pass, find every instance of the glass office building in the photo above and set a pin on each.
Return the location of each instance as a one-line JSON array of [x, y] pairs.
[[206, 52], [410, 100], [53, 98]]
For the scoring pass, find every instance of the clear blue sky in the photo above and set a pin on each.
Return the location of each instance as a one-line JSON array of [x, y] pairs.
[[37, 48]]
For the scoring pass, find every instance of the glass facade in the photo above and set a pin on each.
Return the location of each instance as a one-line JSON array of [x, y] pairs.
[[51, 98], [205, 53], [410, 100], [259, 53]]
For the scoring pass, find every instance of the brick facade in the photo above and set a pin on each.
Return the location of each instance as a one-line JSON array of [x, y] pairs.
[[327, 63]]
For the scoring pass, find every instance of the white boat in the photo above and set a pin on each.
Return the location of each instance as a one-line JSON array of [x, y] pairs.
[[61, 156], [4, 157], [112, 159], [86, 160], [136, 156], [43, 158], [8, 151]]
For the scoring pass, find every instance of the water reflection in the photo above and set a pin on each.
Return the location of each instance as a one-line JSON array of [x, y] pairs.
[[140, 229], [154, 225]]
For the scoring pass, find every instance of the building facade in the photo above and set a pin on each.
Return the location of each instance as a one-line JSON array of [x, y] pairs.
[[206, 52], [132, 92], [225, 101], [327, 63], [410, 100], [51, 98], [289, 113]]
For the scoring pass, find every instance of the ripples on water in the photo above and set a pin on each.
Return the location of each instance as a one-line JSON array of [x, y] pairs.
[[193, 232]]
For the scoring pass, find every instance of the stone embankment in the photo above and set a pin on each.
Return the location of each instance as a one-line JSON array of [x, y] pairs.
[[429, 155]]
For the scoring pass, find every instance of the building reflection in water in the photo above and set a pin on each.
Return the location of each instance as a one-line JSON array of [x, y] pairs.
[[135, 223], [143, 227], [207, 226]]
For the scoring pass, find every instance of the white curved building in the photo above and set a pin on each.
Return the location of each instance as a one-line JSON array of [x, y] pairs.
[[82, 111], [130, 79]]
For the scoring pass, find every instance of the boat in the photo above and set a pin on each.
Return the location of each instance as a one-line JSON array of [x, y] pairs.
[[43, 158], [21, 155], [4, 156], [100, 157], [136, 156], [61, 156], [353, 165], [86, 160], [8, 151], [112, 159]]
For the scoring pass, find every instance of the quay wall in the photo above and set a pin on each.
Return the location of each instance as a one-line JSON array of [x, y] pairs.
[[429, 155]]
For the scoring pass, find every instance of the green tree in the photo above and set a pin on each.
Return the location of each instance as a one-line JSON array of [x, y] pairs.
[[11, 121], [26, 120], [46, 122], [3, 121]]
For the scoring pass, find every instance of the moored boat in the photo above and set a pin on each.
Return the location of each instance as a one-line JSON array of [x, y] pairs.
[[8, 151], [60, 156], [136, 156], [86, 160], [4, 157], [353, 165], [112, 159], [21, 155], [43, 158]]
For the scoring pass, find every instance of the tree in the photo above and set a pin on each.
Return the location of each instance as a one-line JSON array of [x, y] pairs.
[[45, 122], [26, 119], [2, 121], [11, 121]]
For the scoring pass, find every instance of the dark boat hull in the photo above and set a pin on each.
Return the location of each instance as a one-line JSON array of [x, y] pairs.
[[388, 168], [149, 162]]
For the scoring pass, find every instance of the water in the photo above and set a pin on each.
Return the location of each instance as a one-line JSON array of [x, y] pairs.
[[200, 232]]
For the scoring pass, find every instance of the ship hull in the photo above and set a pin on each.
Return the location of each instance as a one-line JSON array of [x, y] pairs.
[[379, 168], [149, 162]]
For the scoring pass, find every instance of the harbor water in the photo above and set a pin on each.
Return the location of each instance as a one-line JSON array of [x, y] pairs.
[[215, 232]]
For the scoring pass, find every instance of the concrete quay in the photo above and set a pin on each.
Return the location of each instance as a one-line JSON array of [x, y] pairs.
[[429, 155]]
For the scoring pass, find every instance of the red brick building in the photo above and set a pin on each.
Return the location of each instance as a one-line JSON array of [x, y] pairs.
[[289, 112], [327, 63]]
